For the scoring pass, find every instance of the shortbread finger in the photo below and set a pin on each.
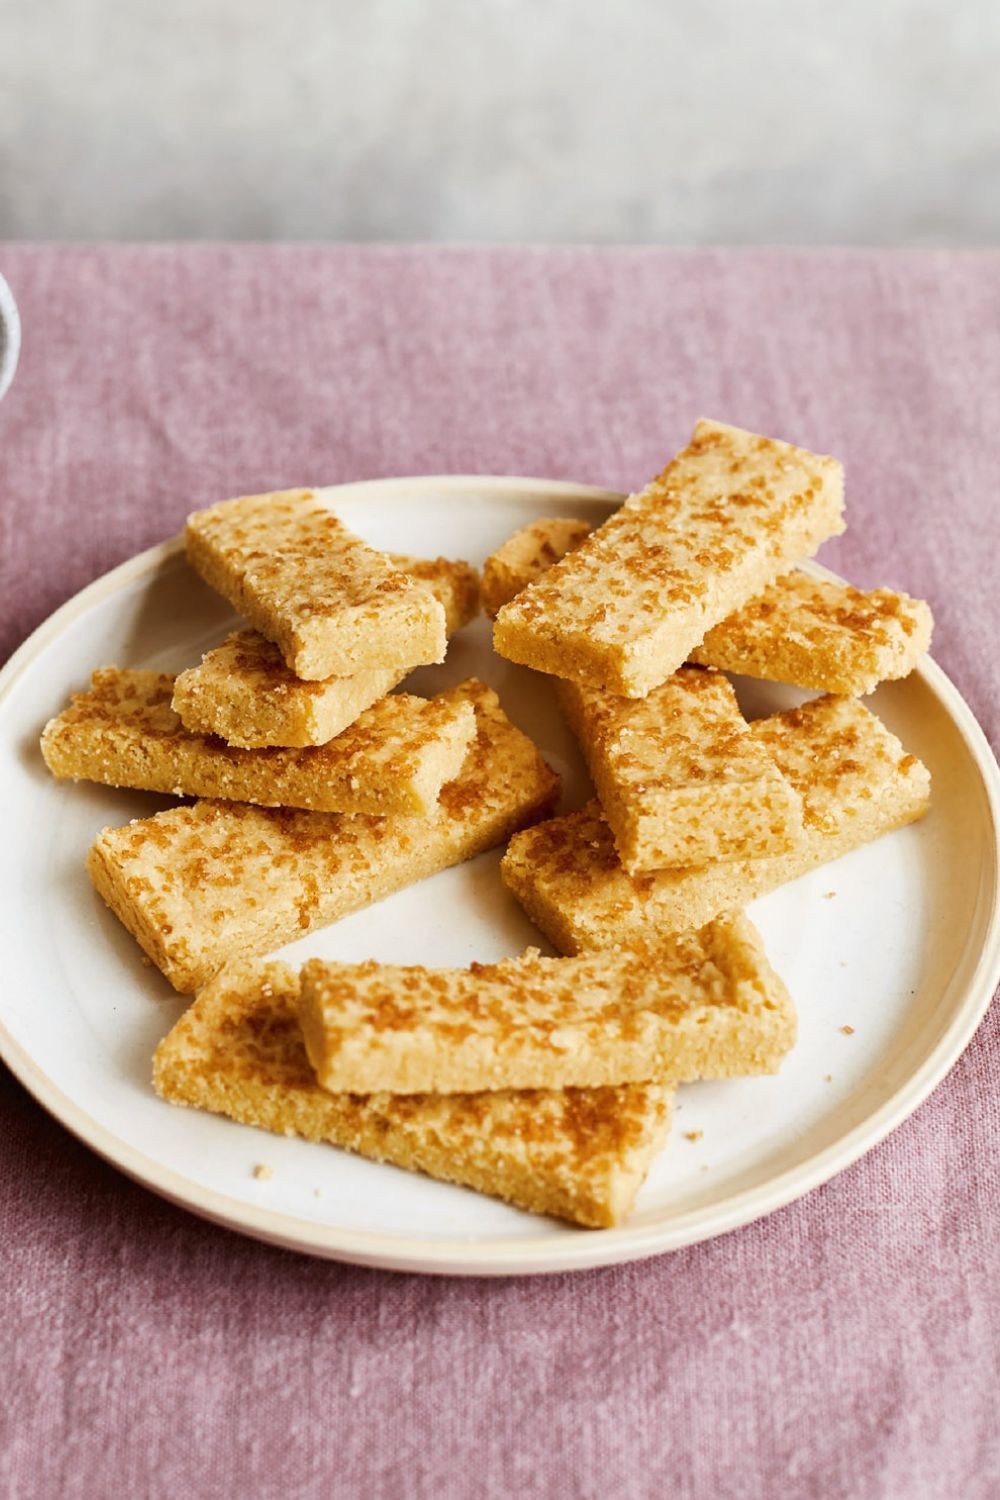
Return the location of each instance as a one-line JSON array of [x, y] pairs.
[[701, 1005], [454, 584], [579, 1154], [331, 603], [525, 556], [731, 513], [822, 635], [243, 691], [200, 885], [812, 632], [856, 783], [681, 779], [394, 759]]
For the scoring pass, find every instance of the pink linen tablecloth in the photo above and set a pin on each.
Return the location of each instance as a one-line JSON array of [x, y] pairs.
[[845, 1347]]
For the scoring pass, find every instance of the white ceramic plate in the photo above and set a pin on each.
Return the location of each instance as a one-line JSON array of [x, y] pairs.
[[898, 940]]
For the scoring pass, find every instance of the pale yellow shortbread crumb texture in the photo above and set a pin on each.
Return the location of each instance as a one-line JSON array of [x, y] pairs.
[[243, 691], [580, 1154], [728, 515], [200, 885], [813, 633], [525, 556], [329, 601], [393, 760], [822, 634], [856, 782], [680, 778], [703, 1004]]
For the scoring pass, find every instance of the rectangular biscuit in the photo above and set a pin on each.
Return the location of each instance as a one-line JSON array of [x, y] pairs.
[[732, 512], [811, 632], [856, 783], [331, 603], [453, 582], [822, 635], [200, 885], [701, 1005], [244, 692], [579, 1154], [681, 779], [525, 556], [394, 759]]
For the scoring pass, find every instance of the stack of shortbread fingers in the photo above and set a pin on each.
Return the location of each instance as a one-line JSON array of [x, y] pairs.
[[546, 1081]]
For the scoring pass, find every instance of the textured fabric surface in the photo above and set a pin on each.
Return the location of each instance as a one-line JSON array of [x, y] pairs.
[[845, 1347]]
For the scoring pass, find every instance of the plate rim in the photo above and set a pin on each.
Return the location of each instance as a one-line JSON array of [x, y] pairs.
[[587, 1249]]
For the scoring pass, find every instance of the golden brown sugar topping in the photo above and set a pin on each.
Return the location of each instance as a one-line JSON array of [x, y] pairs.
[[627, 608], [580, 1153], [455, 585], [526, 555], [308, 561], [331, 603], [681, 779], [856, 783], [394, 758], [121, 697], [544, 993], [575, 849], [727, 492], [688, 730], [816, 633], [245, 692], [642, 1012], [835, 753], [250, 655], [821, 634], [198, 885]]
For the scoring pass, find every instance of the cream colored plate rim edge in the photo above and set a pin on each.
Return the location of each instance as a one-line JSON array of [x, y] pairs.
[[592, 1248]]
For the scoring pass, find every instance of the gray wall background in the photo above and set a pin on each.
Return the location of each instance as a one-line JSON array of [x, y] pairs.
[[674, 121]]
